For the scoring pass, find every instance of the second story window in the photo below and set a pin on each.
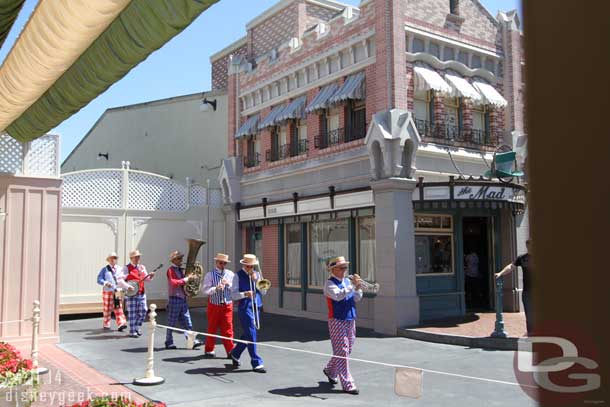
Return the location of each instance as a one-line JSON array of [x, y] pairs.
[[423, 104], [453, 118], [355, 116], [481, 131], [453, 7], [252, 153], [298, 138]]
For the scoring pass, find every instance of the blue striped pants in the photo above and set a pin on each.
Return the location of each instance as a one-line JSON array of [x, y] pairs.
[[342, 338]]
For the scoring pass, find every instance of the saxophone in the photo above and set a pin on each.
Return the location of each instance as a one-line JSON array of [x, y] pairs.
[[193, 269]]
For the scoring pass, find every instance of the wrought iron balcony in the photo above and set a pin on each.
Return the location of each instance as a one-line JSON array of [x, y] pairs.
[[252, 160], [286, 151], [449, 134], [338, 136], [301, 147]]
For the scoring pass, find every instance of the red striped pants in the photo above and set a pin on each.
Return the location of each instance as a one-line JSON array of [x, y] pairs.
[[108, 301], [342, 338]]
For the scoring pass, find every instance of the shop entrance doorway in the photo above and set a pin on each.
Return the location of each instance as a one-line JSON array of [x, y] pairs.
[[476, 263]]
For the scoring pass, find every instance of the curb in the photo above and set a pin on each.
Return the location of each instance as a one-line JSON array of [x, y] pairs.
[[468, 341]]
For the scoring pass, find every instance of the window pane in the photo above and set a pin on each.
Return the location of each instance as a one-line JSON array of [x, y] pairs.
[[328, 239], [366, 248], [421, 109], [293, 255], [433, 254]]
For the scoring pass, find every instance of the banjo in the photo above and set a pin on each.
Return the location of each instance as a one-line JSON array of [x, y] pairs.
[[136, 283]]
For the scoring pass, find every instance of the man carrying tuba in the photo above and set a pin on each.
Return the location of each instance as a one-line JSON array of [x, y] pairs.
[[177, 306], [217, 286]]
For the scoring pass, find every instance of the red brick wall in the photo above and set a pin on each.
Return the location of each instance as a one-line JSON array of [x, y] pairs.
[[271, 254], [275, 31], [220, 69]]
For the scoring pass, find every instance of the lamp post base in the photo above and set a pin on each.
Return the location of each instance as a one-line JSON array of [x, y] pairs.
[[148, 381]]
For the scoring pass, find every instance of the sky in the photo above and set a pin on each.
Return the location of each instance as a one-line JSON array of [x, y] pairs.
[[180, 67]]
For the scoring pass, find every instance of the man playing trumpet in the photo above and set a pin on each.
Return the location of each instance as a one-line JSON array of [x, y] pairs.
[[341, 297], [217, 285], [177, 306]]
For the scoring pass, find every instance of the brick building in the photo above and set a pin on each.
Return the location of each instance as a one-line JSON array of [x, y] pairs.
[[365, 132]]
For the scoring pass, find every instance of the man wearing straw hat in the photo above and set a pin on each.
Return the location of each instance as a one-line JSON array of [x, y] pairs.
[[107, 278], [177, 306], [217, 285], [341, 297], [249, 300], [136, 305]]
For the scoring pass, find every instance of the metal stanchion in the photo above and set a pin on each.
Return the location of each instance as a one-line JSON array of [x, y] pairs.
[[499, 331], [35, 328], [149, 378]]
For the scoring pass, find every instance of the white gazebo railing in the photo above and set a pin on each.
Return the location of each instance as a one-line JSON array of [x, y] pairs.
[[38, 158], [128, 189]]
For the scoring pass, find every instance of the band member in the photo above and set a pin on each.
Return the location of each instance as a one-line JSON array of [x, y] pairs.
[[177, 306], [217, 286], [244, 291], [341, 297], [111, 299], [136, 305]]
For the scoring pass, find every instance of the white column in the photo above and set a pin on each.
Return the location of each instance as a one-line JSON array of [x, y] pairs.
[[397, 303]]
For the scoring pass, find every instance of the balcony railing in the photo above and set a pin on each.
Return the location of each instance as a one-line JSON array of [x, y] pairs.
[[452, 134], [338, 136], [286, 150], [252, 160]]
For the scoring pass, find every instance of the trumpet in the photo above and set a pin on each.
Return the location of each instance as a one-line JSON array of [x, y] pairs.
[[372, 288]]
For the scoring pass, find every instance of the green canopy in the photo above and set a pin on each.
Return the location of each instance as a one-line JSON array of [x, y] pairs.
[[142, 27], [9, 10]]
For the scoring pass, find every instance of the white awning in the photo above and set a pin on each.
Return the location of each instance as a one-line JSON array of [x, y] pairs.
[[461, 87], [249, 127], [490, 95], [271, 118], [321, 99], [352, 88], [427, 79]]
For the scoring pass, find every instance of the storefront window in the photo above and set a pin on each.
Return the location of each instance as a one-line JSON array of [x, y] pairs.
[[366, 248], [254, 241], [433, 244], [293, 256], [328, 239]]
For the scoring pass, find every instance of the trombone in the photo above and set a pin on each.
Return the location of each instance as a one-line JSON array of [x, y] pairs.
[[261, 284]]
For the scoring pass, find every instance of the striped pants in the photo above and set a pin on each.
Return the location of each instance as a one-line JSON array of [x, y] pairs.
[[108, 301], [177, 312], [342, 338], [136, 310]]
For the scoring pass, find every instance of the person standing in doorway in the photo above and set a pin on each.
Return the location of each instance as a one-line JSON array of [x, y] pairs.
[[473, 279], [525, 262], [217, 285], [341, 297], [111, 294]]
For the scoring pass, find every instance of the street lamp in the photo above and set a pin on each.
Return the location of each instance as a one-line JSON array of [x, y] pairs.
[[102, 155], [205, 105]]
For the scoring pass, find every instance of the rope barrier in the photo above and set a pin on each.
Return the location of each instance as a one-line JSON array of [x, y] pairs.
[[373, 362]]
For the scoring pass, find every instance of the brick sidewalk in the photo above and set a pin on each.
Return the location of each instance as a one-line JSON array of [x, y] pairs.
[[477, 325], [69, 381]]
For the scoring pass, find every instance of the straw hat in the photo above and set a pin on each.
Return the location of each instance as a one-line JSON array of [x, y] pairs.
[[111, 255], [175, 255], [337, 261], [134, 253], [249, 260], [222, 257]]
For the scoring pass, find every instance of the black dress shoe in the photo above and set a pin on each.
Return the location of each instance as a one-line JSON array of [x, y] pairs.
[[170, 347], [331, 380], [260, 369], [352, 391], [197, 344], [235, 361], [122, 328]]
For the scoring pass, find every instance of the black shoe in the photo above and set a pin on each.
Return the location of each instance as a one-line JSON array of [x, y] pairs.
[[139, 333], [331, 380], [352, 391], [260, 369], [235, 361], [210, 355], [106, 328], [171, 347], [197, 344], [122, 328]]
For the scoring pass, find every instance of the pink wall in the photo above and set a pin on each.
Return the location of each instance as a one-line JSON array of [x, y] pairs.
[[29, 256]]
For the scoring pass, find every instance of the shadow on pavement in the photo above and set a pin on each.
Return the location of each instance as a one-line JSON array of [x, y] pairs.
[[322, 388], [186, 359]]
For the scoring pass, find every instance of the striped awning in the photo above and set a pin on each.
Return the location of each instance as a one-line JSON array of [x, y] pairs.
[[249, 127], [294, 110], [490, 95], [271, 118], [322, 98], [461, 87], [427, 79], [353, 88]]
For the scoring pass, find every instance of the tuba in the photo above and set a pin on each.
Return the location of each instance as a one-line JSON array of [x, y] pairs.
[[193, 269]]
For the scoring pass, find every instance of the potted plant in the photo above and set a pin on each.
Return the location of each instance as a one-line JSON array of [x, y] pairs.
[[115, 402], [18, 382]]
